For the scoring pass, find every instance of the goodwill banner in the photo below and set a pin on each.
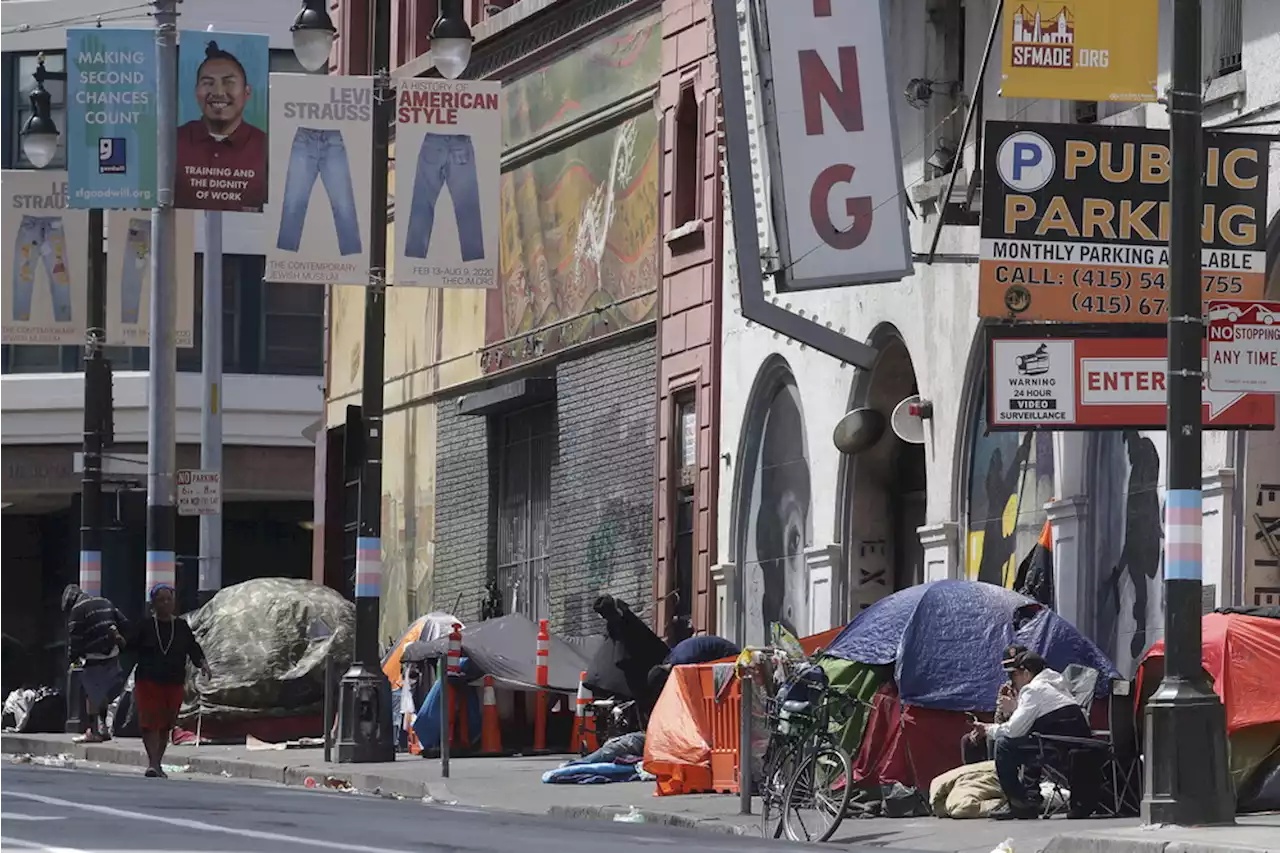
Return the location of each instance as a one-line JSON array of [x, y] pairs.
[[448, 136], [222, 122], [44, 277], [1076, 218], [321, 158], [129, 278], [111, 118]]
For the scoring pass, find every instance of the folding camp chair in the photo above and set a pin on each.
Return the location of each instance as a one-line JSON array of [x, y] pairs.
[[1112, 751]]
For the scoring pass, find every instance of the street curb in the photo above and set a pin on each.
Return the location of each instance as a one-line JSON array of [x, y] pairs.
[[368, 783], [1088, 843], [235, 768], [609, 813]]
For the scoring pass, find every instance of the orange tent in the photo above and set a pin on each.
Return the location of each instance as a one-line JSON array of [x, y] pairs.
[[677, 746], [427, 627], [1242, 655]]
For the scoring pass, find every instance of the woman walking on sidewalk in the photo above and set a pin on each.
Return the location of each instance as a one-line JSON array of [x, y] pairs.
[[164, 643]]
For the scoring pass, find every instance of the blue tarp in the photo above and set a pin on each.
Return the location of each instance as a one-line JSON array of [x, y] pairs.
[[945, 639], [426, 724]]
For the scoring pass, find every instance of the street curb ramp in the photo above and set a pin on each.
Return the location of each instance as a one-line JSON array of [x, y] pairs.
[[1089, 843], [235, 768], [611, 813]]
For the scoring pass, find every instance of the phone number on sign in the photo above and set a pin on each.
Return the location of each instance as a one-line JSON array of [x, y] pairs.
[[1214, 284]]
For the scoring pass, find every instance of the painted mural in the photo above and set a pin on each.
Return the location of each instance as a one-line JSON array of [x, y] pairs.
[[621, 63], [1010, 481], [777, 520], [580, 223], [1126, 545]]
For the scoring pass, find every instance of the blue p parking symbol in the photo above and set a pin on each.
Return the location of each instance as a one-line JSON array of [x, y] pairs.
[[1025, 161]]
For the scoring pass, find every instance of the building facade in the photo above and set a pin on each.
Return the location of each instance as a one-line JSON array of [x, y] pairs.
[[519, 428], [272, 362], [808, 535]]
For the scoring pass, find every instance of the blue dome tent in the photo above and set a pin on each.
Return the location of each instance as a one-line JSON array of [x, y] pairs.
[[945, 639]]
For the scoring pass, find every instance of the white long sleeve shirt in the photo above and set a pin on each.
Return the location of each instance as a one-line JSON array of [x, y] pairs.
[[1045, 693]]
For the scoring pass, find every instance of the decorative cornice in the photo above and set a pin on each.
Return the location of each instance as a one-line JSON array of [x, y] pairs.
[[561, 23]]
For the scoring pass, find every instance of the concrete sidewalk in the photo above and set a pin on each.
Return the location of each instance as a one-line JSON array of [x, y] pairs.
[[514, 784]]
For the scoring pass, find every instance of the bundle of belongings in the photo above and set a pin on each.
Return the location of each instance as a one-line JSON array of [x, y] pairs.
[[619, 760]]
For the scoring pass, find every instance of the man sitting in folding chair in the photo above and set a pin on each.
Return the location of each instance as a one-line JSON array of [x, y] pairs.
[[1044, 705]]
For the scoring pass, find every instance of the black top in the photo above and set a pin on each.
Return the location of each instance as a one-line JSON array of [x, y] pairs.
[[89, 627], [150, 640]]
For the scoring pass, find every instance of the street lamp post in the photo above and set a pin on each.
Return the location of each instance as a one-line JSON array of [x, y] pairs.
[[40, 144], [1186, 778], [364, 704]]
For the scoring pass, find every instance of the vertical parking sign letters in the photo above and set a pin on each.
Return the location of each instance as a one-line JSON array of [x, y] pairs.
[[839, 205]]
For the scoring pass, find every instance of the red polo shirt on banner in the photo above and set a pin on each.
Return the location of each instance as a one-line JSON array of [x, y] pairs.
[[221, 174]]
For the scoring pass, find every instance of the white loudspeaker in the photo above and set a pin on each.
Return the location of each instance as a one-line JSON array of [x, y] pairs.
[[908, 419]]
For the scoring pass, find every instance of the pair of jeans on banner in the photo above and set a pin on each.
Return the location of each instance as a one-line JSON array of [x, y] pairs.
[[446, 160], [136, 264], [41, 240], [318, 154]]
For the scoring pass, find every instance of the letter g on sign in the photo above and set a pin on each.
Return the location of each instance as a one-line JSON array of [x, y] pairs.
[[1025, 161], [819, 210]]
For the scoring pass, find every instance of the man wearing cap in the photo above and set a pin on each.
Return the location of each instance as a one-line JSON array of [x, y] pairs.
[[1043, 705], [974, 746], [94, 627]]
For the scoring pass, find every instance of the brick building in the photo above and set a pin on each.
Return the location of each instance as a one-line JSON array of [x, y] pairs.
[[525, 426]]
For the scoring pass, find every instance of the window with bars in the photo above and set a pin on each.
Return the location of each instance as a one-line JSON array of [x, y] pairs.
[[685, 509], [526, 446], [24, 66], [1229, 55]]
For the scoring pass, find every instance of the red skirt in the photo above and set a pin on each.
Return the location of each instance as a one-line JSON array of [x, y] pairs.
[[158, 705]]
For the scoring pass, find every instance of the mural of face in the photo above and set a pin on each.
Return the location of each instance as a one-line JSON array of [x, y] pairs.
[[778, 525]]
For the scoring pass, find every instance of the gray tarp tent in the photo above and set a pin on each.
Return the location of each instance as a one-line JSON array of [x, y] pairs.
[[505, 648]]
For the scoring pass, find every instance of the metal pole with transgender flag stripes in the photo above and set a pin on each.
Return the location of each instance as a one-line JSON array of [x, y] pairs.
[[1185, 773]]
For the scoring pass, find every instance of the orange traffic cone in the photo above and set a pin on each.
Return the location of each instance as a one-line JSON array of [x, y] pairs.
[[491, 727], [584, 724]]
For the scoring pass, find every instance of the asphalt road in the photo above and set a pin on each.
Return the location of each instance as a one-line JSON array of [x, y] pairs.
[[83, 811]]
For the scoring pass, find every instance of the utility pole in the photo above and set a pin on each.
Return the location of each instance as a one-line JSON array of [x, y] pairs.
[[1186, 778], [364, 704], [40, 143], [97, 411], [211, 402], [365, 684], [161, 378]]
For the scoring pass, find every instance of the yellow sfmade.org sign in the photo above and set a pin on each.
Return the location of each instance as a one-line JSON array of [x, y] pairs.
[[1081, 50]]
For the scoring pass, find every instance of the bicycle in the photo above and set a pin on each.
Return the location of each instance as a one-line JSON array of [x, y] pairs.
[[805, 768]]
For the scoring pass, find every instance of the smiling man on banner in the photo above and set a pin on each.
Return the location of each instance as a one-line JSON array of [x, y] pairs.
[[222, 157]]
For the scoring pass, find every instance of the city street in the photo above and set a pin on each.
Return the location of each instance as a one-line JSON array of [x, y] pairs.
[[84, 811]]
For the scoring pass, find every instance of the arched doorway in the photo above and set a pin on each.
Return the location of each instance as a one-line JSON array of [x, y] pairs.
[[884, 502], [773, 514]]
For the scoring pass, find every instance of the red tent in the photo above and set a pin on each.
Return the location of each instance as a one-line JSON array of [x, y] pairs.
[[907, 744], [1242, 655]]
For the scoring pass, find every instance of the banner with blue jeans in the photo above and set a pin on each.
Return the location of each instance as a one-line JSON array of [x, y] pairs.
[[321, 150], [449, 145], [111, 118], [129, 277], [46, 259]]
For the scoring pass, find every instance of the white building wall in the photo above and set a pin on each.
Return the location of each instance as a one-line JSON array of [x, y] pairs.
[[935, 313]]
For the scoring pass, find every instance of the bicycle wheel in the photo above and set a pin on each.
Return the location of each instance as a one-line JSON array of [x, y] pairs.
[[773, 790], [818, 795]]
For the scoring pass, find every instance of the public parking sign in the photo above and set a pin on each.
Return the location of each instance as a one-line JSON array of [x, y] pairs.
[[1244, 346], [199, 492]]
